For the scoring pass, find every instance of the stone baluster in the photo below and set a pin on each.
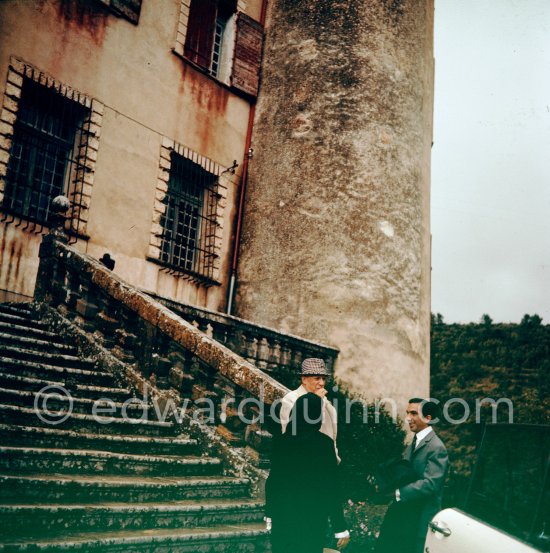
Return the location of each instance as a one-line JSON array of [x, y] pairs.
[[106, 319], [181, 373], [262, 353], [286, 357], [87, 306], [203, 325], [232, 421], [161, 363], [220, 333], [143, 351], [250, 347], [274, 360], [73, 292], [297, 359], [205, 376], [125, 339], [235, 341]]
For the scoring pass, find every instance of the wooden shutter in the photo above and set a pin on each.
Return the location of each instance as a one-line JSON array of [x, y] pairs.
[[200, 32], [248, 55]]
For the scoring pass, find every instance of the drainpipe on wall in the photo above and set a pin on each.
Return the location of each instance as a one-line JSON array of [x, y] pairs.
[[242, 192]]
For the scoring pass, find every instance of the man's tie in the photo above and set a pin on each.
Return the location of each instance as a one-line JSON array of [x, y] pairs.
[[413, 447]]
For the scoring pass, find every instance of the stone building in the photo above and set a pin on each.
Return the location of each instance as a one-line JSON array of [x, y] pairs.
[[141, 112], [269, 159], [336, 242], [138, 112]]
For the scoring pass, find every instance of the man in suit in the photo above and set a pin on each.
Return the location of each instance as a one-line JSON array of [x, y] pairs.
[[406, 522]]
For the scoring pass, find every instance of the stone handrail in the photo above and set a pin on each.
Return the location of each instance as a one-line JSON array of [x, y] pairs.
[[277, 353], [64, 270], [160, 346]]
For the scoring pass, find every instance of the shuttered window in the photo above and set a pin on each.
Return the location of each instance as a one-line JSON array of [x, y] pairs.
[[200, 32], [248, 55], [225, 44]]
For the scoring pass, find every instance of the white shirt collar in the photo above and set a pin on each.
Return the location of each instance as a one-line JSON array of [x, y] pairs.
[[422, 434]]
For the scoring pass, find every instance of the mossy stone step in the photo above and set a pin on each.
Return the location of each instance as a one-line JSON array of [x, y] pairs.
[[101, 423], [20, 460], [35, 369], [23, 309], [35, 344], [55, 438], [130, 407], [51, 520], [102, 489], [242, 538], [22, 319], [21, 382], [20, 329]]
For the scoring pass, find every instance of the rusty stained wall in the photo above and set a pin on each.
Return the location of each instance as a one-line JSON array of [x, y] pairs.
[[336, 243], [148, 93], [18, 260]]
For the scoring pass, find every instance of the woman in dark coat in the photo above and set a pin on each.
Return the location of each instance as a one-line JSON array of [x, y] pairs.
[[303, 491]]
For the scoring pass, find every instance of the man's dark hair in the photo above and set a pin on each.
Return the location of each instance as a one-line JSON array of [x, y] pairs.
[[427, 408]]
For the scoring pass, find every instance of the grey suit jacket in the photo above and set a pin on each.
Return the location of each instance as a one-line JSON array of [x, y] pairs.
[[430, 460]]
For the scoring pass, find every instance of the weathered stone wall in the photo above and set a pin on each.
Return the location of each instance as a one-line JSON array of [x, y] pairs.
[[18, 262], [149, 94], [336, 243]]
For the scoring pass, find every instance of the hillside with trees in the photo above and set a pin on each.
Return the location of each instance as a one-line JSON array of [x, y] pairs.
[[487, 372]]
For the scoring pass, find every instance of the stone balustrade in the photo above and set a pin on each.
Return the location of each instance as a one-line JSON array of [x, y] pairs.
[[276, 353], [169, 352]]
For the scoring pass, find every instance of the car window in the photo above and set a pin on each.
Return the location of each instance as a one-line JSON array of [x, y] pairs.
[[509, 485]]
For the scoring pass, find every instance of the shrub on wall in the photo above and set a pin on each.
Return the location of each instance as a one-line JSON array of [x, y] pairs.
[[367, 436]]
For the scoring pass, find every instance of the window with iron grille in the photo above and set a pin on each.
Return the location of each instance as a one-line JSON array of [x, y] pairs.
[[47, 153], [189, 222]]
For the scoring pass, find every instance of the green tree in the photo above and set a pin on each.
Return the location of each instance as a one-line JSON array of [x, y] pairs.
[[496, 360], [486, 320]]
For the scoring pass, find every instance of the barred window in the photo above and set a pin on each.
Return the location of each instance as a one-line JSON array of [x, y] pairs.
[[189, 222], [45, 152]]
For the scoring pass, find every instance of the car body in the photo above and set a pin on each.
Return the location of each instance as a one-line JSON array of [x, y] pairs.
[[507, 509]]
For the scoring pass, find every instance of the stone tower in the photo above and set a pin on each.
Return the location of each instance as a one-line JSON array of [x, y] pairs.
[[336, 237]]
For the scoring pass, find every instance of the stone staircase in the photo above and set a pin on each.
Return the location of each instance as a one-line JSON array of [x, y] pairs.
[[117, 479]]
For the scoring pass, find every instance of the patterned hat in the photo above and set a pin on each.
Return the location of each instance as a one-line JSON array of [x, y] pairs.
[[314, 367]]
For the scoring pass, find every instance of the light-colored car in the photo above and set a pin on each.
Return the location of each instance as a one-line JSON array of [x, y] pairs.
[[507, 509]]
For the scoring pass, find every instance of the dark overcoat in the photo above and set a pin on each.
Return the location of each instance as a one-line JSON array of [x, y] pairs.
[[303, 492]]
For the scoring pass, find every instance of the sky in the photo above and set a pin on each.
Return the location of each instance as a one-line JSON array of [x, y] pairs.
[[491, 160]]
